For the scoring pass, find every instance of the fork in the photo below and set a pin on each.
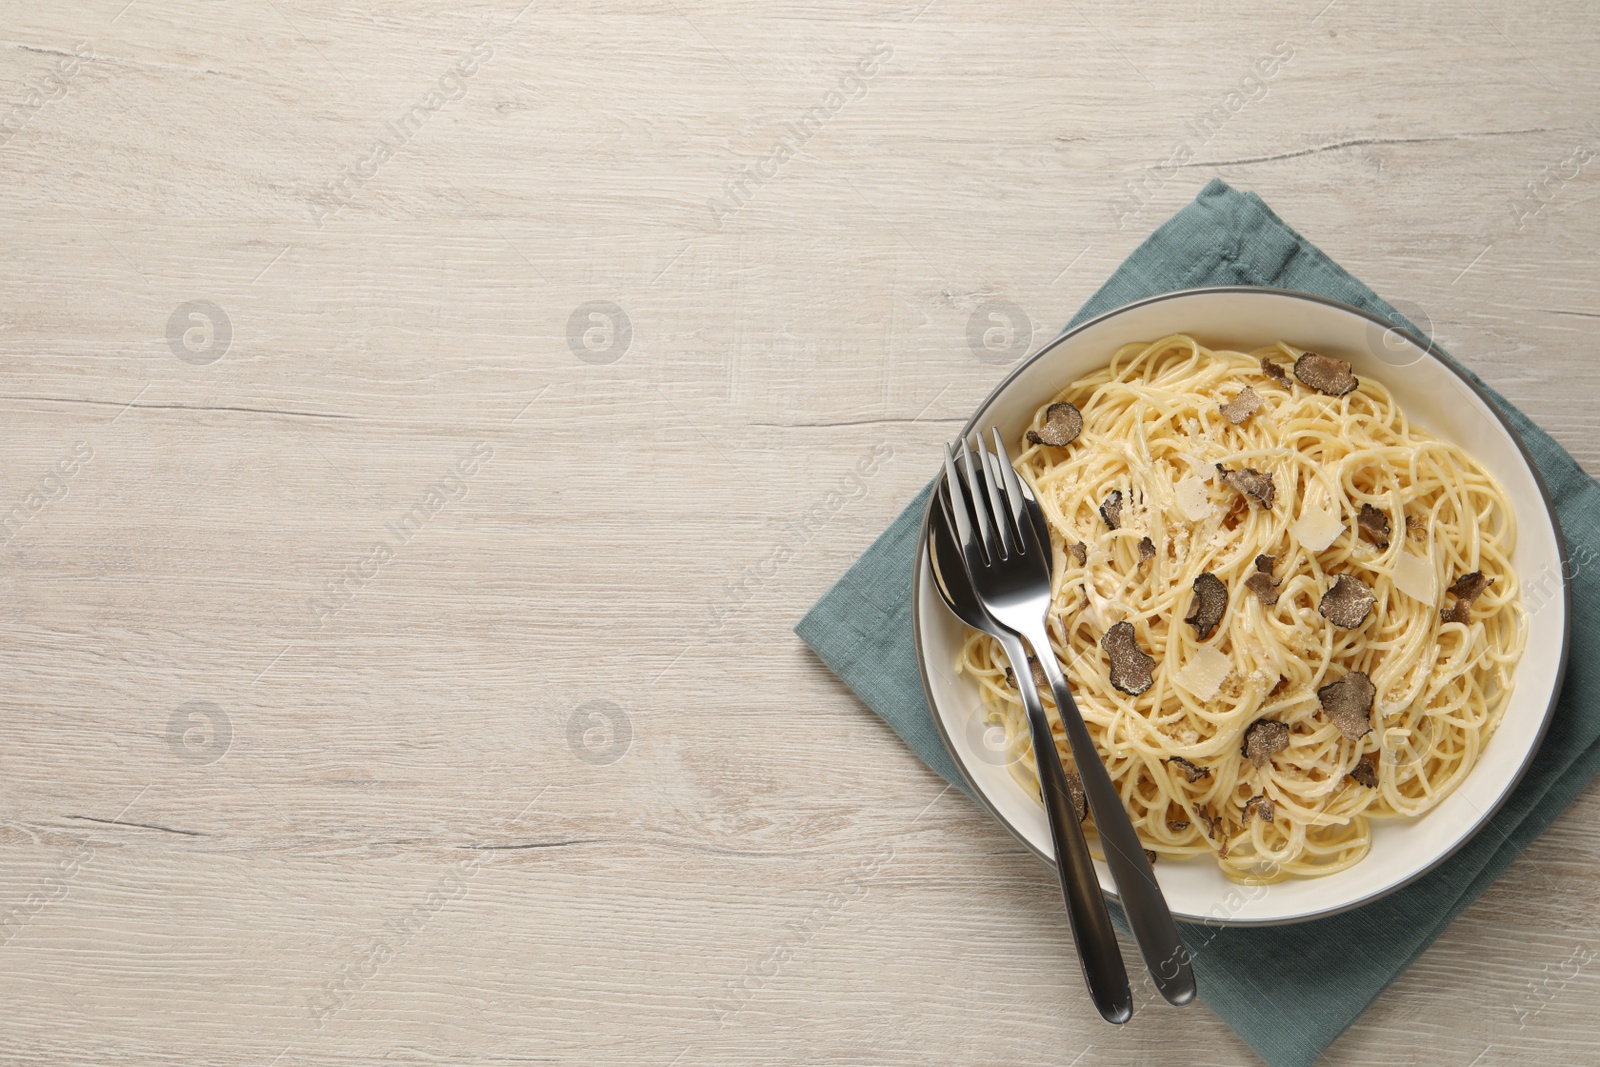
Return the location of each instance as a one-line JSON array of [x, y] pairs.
[[1092, 932], [1010, 574]]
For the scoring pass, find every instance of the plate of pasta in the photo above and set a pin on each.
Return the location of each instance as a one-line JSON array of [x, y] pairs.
[[1307, 589]]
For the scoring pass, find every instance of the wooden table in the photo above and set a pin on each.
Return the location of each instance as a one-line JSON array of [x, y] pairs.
[[423, 424]]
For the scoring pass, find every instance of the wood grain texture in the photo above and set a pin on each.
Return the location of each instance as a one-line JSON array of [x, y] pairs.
[[247, 818]]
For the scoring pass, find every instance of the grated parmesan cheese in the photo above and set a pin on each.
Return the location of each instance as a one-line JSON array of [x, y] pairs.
[[1204, 674], [1193, 499], [1414, 576], [1317, 528]]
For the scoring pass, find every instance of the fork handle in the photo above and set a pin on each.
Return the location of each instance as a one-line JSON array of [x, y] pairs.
[[1092, 931], [1165, 956]]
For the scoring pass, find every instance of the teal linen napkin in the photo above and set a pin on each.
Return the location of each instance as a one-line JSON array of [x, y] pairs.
[[1288, 991]]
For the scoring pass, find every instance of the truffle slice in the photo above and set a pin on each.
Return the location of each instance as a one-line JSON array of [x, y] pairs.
[[1037, 671], [1111, 510], [1080, 552], [1262, 739], [1466, 589], [1265, 589], [1330, 376], [1241, 407], [1416, 529], [1080, 803], [1348, 704], [1214, 830], [1348, 603], [1365, 772], [1261, 582], [1147, 551], [1262, 805], [1250, 482], [1062, 425], [1275, 372], [1470, 586], [1210, 603], [1150, 856], [1374, 525], [1177, 825], [1191, 772], [1131, 669]]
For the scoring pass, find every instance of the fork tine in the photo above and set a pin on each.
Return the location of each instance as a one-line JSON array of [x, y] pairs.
[[980, 507], [1011, 490], [957, 499], [991, 488]]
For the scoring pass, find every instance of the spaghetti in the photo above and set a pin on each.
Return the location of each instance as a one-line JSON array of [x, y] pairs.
[[1154, 430]]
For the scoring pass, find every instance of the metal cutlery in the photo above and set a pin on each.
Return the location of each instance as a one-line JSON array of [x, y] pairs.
[[1092, 932], [1008, 566]]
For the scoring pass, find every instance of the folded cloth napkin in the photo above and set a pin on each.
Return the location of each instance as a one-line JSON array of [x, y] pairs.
[[1288, 991]]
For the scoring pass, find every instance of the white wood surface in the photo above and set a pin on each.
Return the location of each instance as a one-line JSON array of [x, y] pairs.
[[395, 850]]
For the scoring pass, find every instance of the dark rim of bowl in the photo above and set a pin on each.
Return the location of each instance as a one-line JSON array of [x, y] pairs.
[[1429, 349]]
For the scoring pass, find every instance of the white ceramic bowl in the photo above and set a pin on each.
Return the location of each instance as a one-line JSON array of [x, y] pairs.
[[1435, 397]]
